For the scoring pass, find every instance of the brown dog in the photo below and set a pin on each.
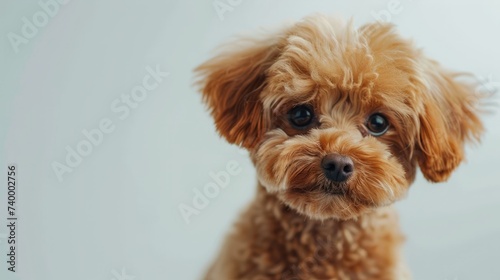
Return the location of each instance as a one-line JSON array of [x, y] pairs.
[[336, 121]]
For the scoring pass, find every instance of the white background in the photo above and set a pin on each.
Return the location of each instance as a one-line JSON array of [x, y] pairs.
[[117, 212]]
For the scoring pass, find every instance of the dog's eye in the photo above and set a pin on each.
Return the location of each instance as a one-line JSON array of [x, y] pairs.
[[377, 124], [301, 116]]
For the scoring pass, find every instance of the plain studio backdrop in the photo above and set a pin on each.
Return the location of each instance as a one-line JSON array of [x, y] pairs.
[[111, 211]]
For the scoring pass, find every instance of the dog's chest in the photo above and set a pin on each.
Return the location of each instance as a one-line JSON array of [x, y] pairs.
[[295, 249]]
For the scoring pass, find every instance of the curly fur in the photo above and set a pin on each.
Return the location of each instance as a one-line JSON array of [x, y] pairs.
[[294, 229]]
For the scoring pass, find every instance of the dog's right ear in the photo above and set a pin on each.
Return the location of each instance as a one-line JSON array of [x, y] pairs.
[[449, 120], [231, 84]]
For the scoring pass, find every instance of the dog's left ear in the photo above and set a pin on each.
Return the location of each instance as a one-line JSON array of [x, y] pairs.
[[231, 84], [448, 120]]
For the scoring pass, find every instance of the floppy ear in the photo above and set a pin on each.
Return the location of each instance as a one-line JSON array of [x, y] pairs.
[[449, 120], [231, 84]]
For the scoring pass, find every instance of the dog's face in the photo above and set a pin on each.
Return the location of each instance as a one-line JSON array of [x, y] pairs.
[[337, 119]]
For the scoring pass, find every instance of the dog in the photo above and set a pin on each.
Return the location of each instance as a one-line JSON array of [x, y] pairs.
[[336, 120]]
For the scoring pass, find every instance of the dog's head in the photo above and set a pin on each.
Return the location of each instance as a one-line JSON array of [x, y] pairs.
[[337, 119]]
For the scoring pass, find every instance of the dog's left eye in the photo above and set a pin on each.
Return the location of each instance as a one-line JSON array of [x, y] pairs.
[[301, 116], [377, 124]]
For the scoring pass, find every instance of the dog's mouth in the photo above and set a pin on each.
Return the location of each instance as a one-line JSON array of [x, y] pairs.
[[328, 189], [334, 190]]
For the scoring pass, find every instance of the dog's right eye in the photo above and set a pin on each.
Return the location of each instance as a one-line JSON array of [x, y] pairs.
[[377, 124], [301, 116]]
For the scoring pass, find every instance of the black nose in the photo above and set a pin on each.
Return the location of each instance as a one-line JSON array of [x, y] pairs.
[[337, 167]]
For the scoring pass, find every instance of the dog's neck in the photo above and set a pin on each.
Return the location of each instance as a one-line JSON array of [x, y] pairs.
[[269, 215], [272, 208]]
